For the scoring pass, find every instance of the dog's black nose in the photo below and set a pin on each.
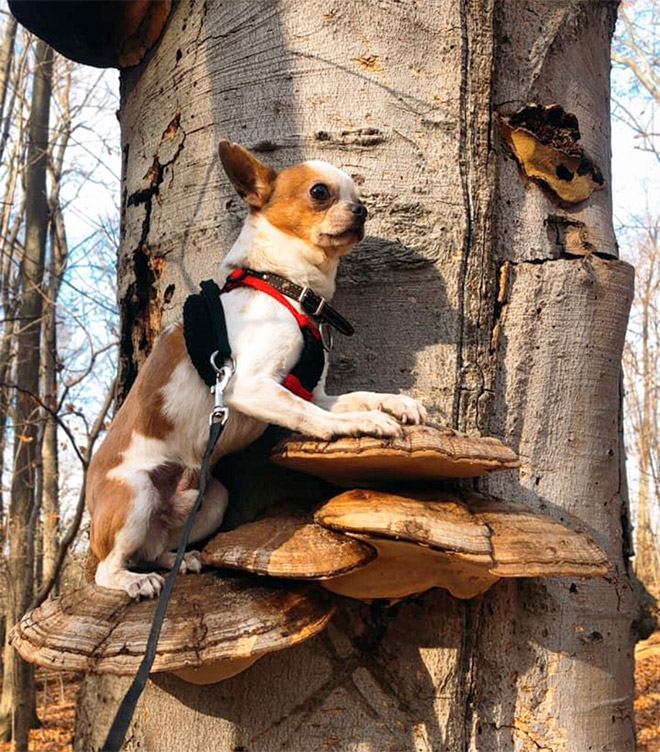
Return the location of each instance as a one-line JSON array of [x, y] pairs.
[[360, 210]]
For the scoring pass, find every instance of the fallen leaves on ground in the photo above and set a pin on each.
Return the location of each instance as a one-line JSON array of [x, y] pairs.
[[56, 705], [647, 694]]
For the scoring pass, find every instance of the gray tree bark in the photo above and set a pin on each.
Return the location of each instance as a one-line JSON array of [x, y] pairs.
[[463, 295]]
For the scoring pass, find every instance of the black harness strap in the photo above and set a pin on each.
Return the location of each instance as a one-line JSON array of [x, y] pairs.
[[199, 313], [115, 739]]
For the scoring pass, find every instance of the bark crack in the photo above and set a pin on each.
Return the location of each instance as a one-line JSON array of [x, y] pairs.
[[467, 207], [471, 636], [523, 732], [141, 305]]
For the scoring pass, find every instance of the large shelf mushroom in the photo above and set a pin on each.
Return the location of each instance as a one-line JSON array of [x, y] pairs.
[[421, 453], [215, 627], [105, 33], [409, 545], [464, 546]]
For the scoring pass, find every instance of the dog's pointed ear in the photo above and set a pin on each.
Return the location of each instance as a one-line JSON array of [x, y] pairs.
[[252, 179]]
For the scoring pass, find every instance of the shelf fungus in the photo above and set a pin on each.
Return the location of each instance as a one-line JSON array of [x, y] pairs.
[[544, 141], [464, 546], [105, 33], [370, 545], [287, 546], [422, 453], [215, 627]]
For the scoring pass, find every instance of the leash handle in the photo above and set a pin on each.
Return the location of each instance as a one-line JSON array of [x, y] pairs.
[[117, 733]]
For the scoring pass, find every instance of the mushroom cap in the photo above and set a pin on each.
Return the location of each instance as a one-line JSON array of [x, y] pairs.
[[444, 523], [421, 453], [464, 547], [211, 623], [528, 544], [287, 547], [420, 545], [104, 33]]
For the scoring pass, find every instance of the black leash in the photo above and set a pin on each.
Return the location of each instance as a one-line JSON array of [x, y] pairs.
[[218, 419]]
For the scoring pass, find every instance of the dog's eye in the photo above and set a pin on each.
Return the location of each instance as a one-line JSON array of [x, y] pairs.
[[319, 192]]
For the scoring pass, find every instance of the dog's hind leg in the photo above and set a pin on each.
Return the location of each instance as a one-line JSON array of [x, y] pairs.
[[207, 521], [121, 541]]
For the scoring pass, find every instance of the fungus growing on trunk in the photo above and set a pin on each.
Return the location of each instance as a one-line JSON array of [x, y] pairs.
[[544, 141], [370, 544], [422, 453], [105, 33], [463, 546], [215, 627], [286, 546]]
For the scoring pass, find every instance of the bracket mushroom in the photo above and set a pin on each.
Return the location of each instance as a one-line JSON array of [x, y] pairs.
[[287, 546], [464, 546], [369, 545], [421, 453], [105, 33], [215, 627], [544, 141]]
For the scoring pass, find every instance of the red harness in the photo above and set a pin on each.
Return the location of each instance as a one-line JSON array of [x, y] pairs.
[[299, 381]]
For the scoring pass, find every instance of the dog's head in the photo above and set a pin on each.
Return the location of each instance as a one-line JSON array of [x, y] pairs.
[[313, 201]]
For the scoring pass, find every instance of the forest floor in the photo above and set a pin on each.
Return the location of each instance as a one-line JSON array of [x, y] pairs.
[[647, 694], [56, 702], [56, 705]]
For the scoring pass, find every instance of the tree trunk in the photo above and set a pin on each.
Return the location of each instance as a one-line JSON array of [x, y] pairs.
[[6, 59], [461, 295], [17, 707], [645, 428]]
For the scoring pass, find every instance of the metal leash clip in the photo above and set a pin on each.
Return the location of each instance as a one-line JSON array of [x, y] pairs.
[[220, 412], [327, 340]]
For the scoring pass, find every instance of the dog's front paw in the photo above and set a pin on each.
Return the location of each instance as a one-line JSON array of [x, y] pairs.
[[373, 423], [405, 409]]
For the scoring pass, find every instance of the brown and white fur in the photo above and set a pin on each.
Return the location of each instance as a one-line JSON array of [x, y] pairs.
[[142, 481]]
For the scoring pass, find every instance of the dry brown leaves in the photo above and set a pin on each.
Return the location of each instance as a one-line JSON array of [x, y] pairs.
[[647, 695], [56, 705]]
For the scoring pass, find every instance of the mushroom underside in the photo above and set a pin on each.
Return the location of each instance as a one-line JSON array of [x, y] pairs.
[[105, 33], [402, 569]]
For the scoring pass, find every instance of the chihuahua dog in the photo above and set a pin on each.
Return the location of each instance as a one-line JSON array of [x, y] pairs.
[[142, 481]]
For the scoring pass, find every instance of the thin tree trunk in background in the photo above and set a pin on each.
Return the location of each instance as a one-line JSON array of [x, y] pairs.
[[643, 395], [10, 224], [20, 76], [50, 505], [16, 709], [460, 296], [57, 264], [6, 59]]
